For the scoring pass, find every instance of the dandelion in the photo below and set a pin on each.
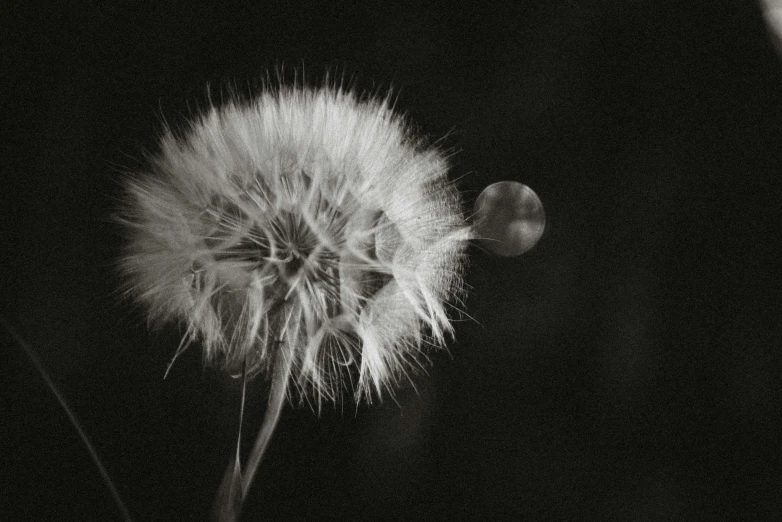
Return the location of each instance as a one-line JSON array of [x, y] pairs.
[[306, 235]]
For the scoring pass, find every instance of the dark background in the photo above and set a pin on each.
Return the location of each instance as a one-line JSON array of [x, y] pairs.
[[627, 368]]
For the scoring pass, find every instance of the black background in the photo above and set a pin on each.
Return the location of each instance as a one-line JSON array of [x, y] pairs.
[[627, 368]]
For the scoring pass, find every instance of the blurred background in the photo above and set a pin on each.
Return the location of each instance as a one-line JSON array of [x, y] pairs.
[[626, 368]]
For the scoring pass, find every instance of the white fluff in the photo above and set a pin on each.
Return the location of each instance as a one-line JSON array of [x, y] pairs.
[[305, 224]]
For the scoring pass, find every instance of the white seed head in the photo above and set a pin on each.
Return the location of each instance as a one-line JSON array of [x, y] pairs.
[[305, 224]]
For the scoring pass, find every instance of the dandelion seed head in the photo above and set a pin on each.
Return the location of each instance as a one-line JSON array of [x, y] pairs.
[[306, 224]]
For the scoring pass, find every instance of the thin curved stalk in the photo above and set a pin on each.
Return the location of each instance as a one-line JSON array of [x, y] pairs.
[[228, 501], [72, 416], [276, 402]]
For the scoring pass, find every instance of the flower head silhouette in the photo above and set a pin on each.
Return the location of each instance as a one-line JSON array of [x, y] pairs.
[[306, 226]]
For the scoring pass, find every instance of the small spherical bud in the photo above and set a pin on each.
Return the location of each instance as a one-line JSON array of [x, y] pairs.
[[509, 218]]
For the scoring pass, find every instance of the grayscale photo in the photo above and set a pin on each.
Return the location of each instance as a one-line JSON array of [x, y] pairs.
[[369, 261]]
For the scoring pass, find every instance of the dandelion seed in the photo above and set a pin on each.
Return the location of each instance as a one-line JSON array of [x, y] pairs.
[[306, 224]]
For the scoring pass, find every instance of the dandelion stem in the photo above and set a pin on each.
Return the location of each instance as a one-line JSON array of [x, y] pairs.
[[228, 502], [241, 412], [28, 350], [273, 410]]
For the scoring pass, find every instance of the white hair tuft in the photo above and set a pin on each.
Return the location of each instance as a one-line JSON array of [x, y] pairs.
[[305, 224]]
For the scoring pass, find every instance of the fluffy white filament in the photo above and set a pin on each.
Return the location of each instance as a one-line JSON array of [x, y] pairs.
[[305, 224]]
